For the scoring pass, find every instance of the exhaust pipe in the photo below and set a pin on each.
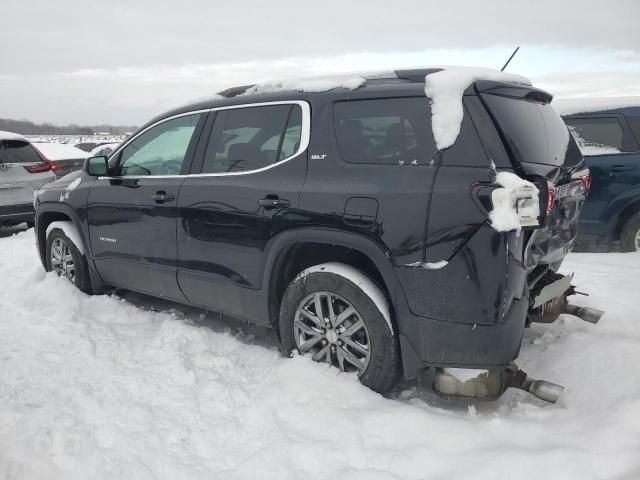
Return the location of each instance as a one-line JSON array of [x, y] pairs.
[[547, 391], [591, 315], [490, 384]]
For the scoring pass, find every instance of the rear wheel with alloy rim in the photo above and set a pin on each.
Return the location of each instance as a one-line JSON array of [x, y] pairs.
[[328, 315]]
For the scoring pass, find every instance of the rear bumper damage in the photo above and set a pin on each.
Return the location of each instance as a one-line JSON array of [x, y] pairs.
[[548, 300]]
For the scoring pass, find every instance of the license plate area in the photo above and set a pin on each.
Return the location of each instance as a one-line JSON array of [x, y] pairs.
[[572, 189]]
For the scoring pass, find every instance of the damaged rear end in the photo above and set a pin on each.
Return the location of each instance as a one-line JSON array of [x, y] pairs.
[[542, 152]]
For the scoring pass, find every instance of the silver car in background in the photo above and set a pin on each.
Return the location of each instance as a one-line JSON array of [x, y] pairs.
[[22, 171]]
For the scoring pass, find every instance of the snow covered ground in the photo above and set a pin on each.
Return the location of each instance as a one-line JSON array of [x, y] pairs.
[[106, 387]]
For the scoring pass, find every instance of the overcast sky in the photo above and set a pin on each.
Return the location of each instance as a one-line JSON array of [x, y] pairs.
[[113, 61]]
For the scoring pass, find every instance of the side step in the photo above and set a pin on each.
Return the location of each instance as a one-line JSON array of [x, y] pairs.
[[491, 384]]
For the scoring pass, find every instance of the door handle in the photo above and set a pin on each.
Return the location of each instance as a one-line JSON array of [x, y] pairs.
[[272, 202], [622, 168], [161, 196]]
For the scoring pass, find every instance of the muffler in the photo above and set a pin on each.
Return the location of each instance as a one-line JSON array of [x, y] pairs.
[[491, 384], [591, 315]]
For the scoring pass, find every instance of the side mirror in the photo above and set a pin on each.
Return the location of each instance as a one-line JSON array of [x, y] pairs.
[[96, 166]]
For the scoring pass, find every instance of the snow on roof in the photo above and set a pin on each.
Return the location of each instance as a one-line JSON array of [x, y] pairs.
[[569, 106], [11, 136], [312, 84], [445, 89], [60, 151]]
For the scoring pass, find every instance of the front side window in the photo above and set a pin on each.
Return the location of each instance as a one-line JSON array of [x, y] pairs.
[[161, 150], [384, 131], [597, 136], [251, 138]]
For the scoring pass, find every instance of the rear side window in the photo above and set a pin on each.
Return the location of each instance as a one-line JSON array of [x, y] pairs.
[[386, 131], [17, 151], [250, 138], [597, 135]]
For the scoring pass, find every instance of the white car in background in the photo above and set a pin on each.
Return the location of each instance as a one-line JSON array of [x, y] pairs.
[[103, 150], [64, 158], [22, 171]]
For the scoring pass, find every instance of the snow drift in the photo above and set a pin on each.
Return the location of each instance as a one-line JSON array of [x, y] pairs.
[[107, 388]]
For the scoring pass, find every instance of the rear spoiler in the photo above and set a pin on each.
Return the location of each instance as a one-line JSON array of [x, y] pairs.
[[513, 90]]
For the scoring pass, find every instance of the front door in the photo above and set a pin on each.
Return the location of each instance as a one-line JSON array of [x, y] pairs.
[[244, 192], [132, 213]]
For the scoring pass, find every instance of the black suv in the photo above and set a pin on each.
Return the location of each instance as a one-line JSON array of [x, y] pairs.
[[609, 137], [332, 217]]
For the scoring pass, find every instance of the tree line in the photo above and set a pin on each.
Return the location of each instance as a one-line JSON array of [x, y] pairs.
[[25, 127]]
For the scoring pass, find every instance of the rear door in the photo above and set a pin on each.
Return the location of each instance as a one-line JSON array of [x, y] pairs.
[[611, 152], [242, 193], [132, 214]]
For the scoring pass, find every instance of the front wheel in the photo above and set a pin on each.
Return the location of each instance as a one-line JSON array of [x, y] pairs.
[[335, 314], [630, 236], [64, 258]]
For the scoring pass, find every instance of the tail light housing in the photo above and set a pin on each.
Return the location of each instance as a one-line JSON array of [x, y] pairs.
[[551, 198], [586, 182], [45, 166]]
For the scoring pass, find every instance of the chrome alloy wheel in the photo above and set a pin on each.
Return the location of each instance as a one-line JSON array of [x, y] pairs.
[[62, 260], [637, 240], [330, 329]]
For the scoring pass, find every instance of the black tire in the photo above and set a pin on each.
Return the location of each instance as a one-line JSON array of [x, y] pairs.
[[81, 273], [382, 369], [630, 231]]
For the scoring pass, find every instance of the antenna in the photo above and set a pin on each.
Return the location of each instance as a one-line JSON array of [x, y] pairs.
[[512, 55]]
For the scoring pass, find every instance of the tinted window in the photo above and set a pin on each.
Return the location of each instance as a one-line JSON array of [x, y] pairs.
[[597, 135], [250, 138], [16, 151], [635, 126], [534, 132], [160, 150], [384, 131]]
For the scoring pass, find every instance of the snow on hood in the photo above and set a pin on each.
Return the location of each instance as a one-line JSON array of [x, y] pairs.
[[569, 106], [314, 84], [11, 136], [60, 151], [445, 89]]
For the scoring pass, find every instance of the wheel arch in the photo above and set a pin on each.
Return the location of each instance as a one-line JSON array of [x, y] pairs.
[[293, 252], [619, 210], [58, 213]]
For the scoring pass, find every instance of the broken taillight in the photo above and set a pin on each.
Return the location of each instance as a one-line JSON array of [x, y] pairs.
[[586, 182], [551, 198]]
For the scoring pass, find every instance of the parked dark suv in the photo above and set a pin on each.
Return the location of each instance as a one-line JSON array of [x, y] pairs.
[[332, 217], [609, 137]]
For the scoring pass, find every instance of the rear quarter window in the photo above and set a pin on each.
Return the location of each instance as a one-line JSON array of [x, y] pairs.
[[387, 131]]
